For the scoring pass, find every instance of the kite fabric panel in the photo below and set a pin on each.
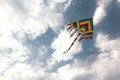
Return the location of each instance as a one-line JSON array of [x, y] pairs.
[[83, 27]]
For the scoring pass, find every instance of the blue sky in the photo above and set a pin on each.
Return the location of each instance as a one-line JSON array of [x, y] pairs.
[[33, 38]]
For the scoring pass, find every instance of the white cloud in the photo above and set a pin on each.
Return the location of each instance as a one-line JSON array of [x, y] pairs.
[[67, 4], [60, 1], [71, 71], [104, 43], [105, 66], [78, 70], [11, 51], [100, 11], [118, 1], [35, 21], [24, 17], [35, 28], [30, 17], [60, 5], [108, 63], [18, 18], [22, 71], [60, 45]]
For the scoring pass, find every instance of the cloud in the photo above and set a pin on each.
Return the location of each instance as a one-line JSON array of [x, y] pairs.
[[118, 2], [62, 1], [31, 17], [11, 50], [108, 62], [16, 64], [104, 66], [22, 71], [12, 53], [18, 21], [105, 43], [60, 45], [65, 4], [100, 11], [25, 17], [78, 70]]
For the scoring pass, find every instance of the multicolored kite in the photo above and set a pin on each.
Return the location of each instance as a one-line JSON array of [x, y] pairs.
[[83, 27]]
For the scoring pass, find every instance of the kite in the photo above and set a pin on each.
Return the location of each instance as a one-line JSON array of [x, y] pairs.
[[83, 27]]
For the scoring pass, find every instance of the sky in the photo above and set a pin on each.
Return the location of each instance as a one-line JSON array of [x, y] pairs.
[[33, 38]]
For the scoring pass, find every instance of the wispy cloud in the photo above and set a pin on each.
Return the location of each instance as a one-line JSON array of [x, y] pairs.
[[100, 11]]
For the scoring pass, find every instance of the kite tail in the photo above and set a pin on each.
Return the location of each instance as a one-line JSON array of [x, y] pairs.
[[80, 39], [85, 38], [70, 30], [72, 43], [68, 27], [73, 33]]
